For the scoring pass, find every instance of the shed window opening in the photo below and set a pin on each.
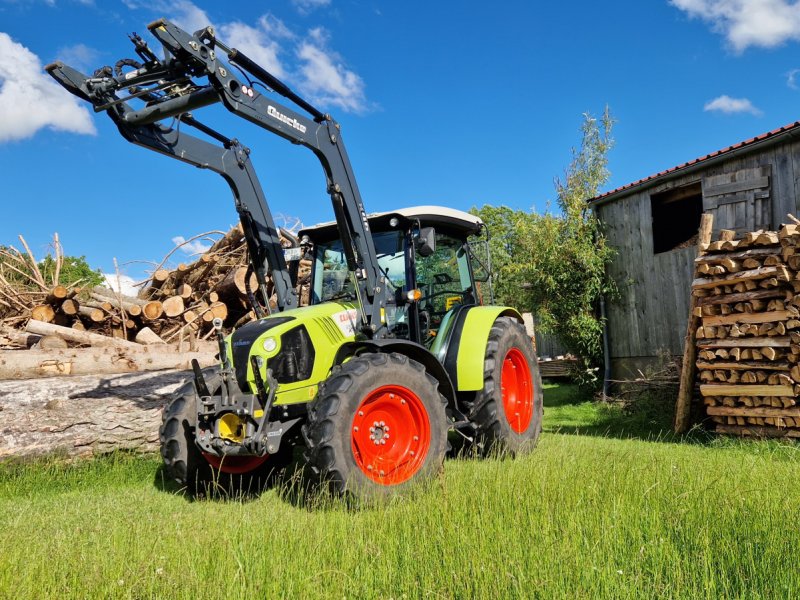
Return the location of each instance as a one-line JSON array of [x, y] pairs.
[[676, 217]]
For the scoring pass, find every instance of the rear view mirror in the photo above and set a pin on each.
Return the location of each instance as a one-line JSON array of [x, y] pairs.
[[426, 241]]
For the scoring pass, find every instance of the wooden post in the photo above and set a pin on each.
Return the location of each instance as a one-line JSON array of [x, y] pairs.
[[684, 401]]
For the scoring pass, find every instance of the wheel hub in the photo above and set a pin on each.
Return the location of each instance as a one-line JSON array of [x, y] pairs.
[[390, 436], [516, 386]]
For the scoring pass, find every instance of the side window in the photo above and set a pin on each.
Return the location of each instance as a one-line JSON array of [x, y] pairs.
[[479, 259], [443, 278]]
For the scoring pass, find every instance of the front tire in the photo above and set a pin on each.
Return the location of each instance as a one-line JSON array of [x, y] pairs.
[[200, 473], [507, 412], [377, 426]]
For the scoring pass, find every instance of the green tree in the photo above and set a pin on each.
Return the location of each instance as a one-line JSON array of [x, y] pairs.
[[74, 271], [554, 264]]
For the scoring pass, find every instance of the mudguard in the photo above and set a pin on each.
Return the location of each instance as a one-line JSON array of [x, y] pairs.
[[465, 347]]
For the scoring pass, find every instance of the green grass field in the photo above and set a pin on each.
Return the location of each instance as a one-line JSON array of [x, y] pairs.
[[606, 507]]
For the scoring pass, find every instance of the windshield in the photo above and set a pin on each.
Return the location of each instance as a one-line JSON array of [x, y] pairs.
[[333, 281]]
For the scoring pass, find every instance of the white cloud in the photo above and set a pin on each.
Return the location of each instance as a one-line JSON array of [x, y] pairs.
[[30, 100], [729, 106], [126, 284], [791, 78], [745, 23], [186, 15], [325, 78], [305, 7], [305, 62], [261, 43], [191, 248], [79, 56]]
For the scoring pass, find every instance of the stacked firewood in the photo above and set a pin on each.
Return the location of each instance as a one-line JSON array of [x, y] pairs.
[[748, 344]]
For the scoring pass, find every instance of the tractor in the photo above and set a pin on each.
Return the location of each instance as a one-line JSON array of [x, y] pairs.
[[396, 351]]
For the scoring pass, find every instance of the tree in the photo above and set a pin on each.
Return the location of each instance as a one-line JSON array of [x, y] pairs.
[[554, 265]]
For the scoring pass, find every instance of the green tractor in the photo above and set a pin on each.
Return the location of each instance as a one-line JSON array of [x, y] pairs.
[[396, 348]]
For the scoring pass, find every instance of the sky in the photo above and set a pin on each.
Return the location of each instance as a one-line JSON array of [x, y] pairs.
[[451, 103]]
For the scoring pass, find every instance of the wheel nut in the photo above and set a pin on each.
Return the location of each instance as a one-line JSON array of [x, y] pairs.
[[411, 452], [391, 396], [361, 413], [416, 438], [383, 441], [369, 467], [402, 401], [355, 428]]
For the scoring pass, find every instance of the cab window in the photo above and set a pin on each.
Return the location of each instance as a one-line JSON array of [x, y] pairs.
[[444, 279]]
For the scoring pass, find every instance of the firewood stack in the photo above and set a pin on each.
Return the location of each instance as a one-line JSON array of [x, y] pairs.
[[748, 344]]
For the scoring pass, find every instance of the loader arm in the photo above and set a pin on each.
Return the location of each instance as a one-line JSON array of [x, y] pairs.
[[170, 90]]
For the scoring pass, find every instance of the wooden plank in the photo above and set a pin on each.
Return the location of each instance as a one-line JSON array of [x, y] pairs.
[[755, 342], [754, 252], [686, 387], [755, 431], [764, 317], [745, 365], [746, 390], [761, 273], [752, 411], [737, 186], [742, 296]]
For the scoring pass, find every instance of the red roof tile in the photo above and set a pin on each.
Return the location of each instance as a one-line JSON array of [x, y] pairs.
[[701, 159]]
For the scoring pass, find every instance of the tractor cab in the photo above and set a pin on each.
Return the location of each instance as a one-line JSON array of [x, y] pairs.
[[429, 256]]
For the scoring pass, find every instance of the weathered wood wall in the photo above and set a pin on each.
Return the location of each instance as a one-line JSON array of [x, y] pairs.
[[746, 193]]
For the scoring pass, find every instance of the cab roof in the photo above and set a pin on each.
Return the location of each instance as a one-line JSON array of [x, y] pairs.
[[428, 216]]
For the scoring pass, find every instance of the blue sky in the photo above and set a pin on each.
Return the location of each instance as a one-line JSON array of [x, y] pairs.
[[452, 103]]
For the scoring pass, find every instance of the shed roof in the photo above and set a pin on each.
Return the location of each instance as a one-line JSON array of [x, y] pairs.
[[765, 139]]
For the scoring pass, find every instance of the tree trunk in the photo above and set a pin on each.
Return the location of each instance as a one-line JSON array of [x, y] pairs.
[[84, 416]]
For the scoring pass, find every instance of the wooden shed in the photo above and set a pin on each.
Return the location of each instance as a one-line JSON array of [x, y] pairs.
[[652, 224]]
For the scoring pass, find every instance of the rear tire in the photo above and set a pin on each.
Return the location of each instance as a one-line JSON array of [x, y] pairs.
[[187, 466], [378, 426], [507, 412]]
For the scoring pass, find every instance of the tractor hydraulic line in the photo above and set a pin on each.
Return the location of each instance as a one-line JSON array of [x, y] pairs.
[[239, 59], [223, 353], [251, 298]]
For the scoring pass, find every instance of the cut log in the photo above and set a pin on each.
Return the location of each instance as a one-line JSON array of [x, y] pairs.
[[152, 310], [43, 312], [96, 315], [147, 336], [746, 390], [57, 295], [51, 342], [753, 274], [766, 317], [173, 306], [757, 431], [744, 365], [69, 307], [134, 309], [78, 337], [773, 342]]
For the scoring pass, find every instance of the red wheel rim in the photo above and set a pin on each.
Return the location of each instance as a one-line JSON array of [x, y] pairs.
[[235, 465], [517, 388], [390, 435]]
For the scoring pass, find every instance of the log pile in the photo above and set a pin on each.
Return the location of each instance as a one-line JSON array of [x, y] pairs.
[[560, 366], [174, 306], [747, 294]]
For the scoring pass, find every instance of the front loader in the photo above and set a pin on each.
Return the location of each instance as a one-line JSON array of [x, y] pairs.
[[396, 348]]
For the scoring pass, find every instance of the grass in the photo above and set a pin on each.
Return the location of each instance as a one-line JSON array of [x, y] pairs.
[[608, 506]]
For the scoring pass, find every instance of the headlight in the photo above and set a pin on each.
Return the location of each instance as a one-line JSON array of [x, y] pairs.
[[270, 344]]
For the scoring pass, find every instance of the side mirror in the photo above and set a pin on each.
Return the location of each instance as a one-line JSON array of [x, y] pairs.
[[426, 241]]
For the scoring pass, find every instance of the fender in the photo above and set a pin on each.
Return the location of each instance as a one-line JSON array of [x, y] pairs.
[[410, 349], [466, 346]]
